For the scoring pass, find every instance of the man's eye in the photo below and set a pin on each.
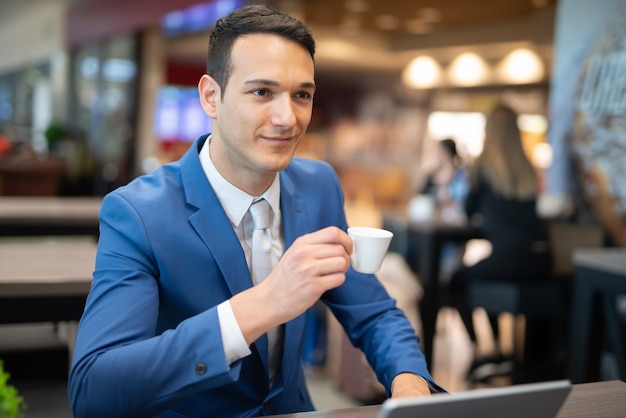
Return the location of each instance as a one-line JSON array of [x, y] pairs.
[[261, 92], [303, 95]]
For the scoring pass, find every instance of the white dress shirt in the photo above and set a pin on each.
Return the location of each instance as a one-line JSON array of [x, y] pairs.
[[236, 203]]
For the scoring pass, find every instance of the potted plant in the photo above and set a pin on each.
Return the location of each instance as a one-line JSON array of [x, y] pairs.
[[11, 403], [55, 134]]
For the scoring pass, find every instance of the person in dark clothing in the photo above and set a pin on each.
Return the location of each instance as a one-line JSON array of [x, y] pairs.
[[446, 183], [503, 189]]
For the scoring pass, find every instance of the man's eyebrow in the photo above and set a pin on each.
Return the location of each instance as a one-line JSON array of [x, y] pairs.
[[272, 83], [263, 81]]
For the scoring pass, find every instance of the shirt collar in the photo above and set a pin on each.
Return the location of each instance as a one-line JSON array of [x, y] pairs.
[[234, 200]]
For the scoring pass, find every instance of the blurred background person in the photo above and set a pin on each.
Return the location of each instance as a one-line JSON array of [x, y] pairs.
[[447, 181], [503, 190], [446, 185]]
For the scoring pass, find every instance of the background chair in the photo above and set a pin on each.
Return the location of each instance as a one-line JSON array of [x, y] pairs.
[[542, 305], [34, 352]]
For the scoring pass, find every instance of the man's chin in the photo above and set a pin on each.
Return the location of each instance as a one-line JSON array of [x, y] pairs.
[[281, 161]]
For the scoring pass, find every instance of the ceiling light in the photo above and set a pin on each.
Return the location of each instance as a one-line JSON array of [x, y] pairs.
[[521, 66], [422, 72], [468, 69]]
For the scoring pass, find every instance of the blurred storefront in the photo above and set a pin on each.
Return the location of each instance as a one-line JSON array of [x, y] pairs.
[[128, 101], [103, 105], [32, 95]]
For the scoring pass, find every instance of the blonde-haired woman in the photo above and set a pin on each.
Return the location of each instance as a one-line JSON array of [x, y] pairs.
[[503, 188]]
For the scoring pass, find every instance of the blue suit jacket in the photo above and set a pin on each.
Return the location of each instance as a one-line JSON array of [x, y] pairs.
[[149, 341]]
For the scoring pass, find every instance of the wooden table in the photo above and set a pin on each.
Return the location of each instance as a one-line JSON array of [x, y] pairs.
[[600, 277], [421, 244], [28, 216], [600, 399], [45, 278]]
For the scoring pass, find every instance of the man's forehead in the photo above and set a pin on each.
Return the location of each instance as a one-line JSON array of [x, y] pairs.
[[267, 56], [265, 40]]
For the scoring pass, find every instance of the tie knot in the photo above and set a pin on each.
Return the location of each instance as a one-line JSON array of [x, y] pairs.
[[260, 212]]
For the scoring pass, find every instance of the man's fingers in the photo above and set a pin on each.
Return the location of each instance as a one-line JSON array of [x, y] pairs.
[[332, 265], [330, 250], [331, 281], [330, 235]]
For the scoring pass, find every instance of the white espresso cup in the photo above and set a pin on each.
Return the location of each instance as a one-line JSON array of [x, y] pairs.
[[369, 248]]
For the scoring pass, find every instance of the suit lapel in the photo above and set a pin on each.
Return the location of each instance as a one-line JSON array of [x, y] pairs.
[[214, 228], [293, 209], [212, 224]]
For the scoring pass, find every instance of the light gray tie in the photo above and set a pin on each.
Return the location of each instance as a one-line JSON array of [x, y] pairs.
[[260, 266], [261, 247]]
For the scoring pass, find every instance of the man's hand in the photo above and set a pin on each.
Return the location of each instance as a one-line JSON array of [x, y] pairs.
[[315, 263], [409, 384]]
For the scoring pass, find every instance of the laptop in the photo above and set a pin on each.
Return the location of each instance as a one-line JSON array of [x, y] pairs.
[[535, 400]]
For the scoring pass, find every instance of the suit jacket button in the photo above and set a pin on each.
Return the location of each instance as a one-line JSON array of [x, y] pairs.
[[200, 368], [266, 406]]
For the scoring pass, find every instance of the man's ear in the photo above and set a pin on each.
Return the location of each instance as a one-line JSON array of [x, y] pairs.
[[210, 95]]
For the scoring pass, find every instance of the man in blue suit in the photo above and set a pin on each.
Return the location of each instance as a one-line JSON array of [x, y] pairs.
[[175, 324]]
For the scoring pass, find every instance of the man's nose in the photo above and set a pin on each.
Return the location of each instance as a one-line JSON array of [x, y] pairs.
[[284, 112]]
